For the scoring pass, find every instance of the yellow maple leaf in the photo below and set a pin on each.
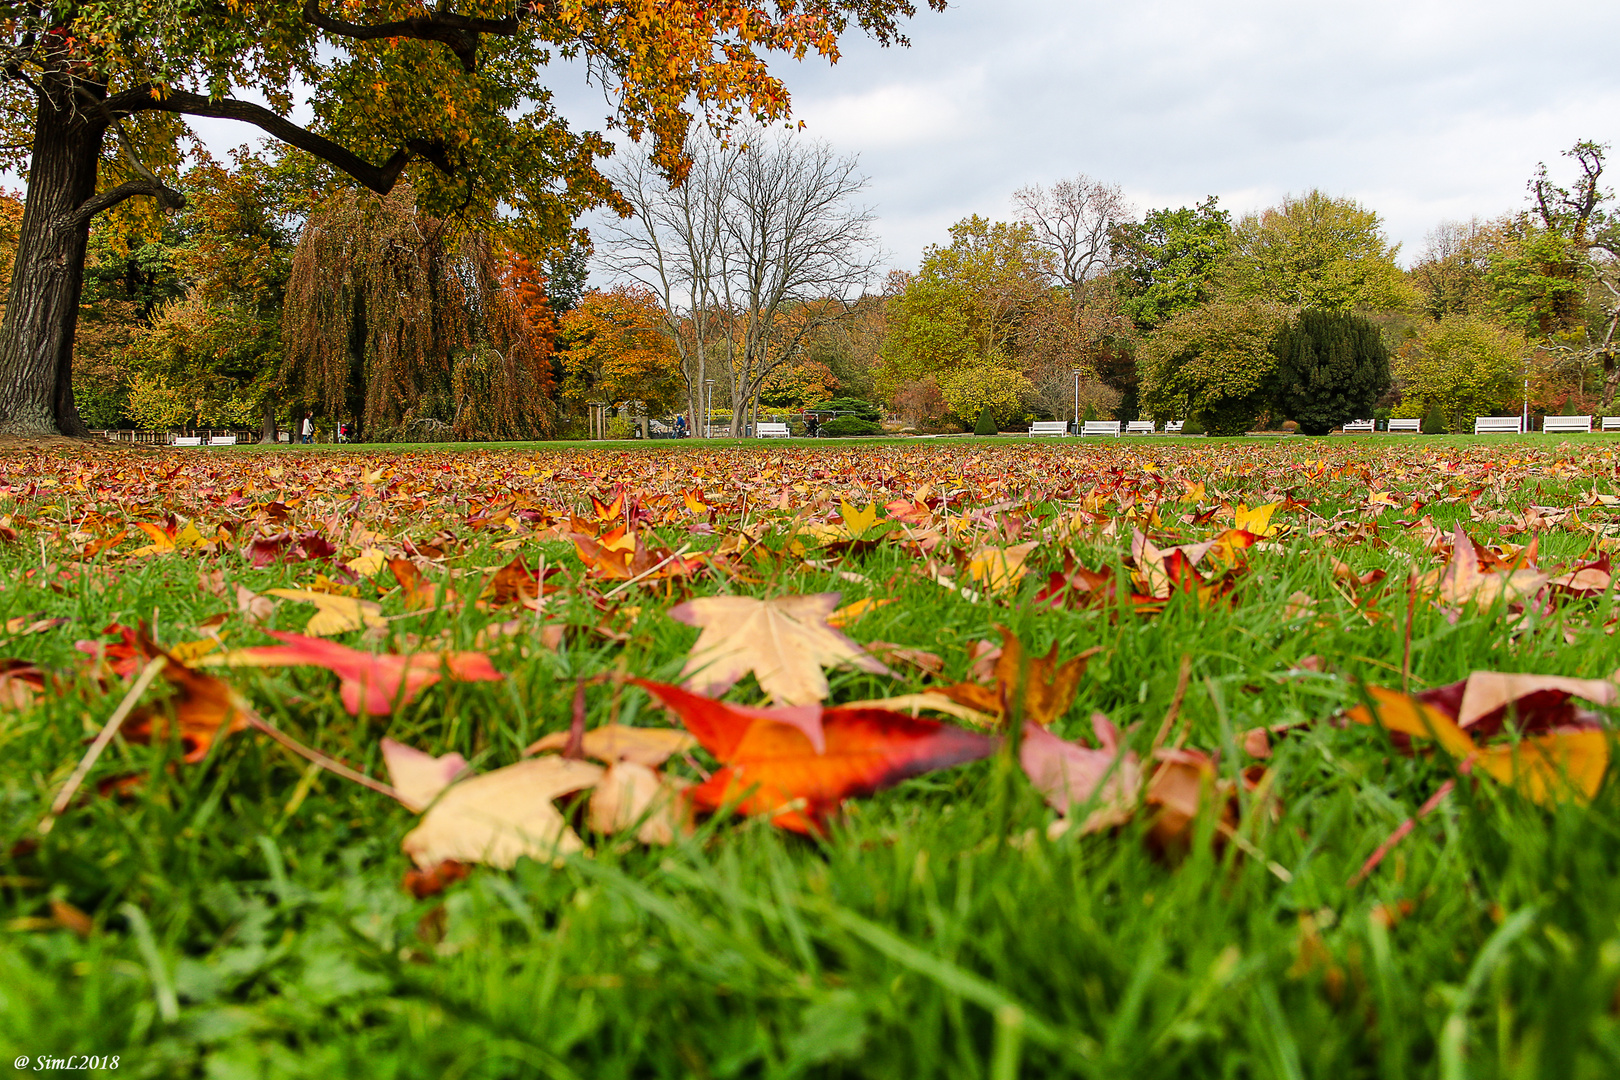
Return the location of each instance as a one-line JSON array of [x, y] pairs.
[[852, 612], [335, 614], [999, 570], [857, 521], [1257, 520], [369, 562]]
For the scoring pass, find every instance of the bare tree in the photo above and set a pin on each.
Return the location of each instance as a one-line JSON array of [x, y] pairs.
[[755, 252], [1073, 220], [799, 253], [674, 244]]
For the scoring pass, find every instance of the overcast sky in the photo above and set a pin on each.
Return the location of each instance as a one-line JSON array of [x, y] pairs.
[[1421, 109]]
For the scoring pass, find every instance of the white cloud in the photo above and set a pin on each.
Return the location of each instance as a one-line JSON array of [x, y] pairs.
[[1422, 109]]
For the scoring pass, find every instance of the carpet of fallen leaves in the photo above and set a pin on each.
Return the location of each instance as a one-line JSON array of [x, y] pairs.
[[378, 540], [712, 620]]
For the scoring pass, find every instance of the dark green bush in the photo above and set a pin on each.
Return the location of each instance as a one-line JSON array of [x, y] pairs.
[[849, 425], [1435, 422], [987, 424], [1230, 416], [864, 410], [1331, 367]]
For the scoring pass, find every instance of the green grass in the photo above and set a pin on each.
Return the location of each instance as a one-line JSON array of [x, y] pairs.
[[250, 920]]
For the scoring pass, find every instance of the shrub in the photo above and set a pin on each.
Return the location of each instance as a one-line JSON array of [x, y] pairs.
[[1232, 416], [987, 423], [850, 425], [1192, 427], [864, 410], [1435, 422], [1290, 426]]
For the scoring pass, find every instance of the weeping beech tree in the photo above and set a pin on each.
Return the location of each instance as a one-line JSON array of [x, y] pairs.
[[418, 331]]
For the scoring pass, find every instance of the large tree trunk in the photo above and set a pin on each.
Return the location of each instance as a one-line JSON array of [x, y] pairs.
[[267, 430], [36, 339]]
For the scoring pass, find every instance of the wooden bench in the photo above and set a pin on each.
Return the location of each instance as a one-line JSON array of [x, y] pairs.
[[1101, 427], [187, 440], [1408, 427], [1358, 427], [1049, 427], [1566, 425], [1611, 423], [1497, 425], [222, 440], [1140, 427], [1173, 427], [772, 431]]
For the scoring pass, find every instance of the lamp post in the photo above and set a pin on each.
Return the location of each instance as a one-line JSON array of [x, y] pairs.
[[1524, 420], [708, 408], [1077, 401]]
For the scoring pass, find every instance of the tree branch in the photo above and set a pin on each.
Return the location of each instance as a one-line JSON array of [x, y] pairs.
[[378, 179], [459, 33], [166, 196]]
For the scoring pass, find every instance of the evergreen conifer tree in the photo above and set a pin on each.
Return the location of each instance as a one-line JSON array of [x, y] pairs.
[[1331, 367], [987, 423], [1435, 422]]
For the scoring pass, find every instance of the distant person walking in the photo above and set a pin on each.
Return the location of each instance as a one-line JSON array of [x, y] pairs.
[[308, 430]]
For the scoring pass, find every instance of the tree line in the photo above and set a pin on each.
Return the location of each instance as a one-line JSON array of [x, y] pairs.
[[754, 285], [1301, 311]]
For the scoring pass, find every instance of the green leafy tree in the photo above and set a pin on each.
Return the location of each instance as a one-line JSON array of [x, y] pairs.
[[960, 319], [1316, 251], [1451, 274], [1167, 262], [1216, 363], [1331, 367], [219, 357], [100, 95], [1464, 366]]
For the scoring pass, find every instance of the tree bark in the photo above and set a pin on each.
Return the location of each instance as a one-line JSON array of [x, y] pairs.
[[36, 339], [267, 430]]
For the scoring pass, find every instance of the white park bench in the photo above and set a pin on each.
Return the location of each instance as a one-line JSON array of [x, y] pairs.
[[772, 431], [222, 440], [1101, 427], [188, 440], [1173, 427], [1409, 426], [1565, 425], [1497, 425], [1139, 427], [1611, 423], [1358, 427], [1049, 427]]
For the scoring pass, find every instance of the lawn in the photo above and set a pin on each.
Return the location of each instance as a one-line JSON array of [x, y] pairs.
[[213, 904]]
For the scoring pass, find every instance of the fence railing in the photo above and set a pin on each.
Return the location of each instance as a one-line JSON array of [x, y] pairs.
[[166, 438]]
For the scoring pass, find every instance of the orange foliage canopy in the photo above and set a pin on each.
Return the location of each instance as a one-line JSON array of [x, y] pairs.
[[614, 350]]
